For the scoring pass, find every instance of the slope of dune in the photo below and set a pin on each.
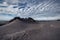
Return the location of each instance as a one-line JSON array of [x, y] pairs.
[[20, 30]]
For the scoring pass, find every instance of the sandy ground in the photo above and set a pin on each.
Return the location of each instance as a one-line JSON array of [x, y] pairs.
[[19, 30]]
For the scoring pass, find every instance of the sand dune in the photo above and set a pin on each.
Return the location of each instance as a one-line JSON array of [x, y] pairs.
[[20, 30]]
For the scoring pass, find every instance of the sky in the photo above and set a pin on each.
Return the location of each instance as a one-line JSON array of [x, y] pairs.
[[37, 9], [41, 9]]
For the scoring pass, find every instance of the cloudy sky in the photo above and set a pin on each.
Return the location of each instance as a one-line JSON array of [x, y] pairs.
[[41, 9], [38, 9]]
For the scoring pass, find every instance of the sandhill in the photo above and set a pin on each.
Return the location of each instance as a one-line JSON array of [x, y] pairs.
[[19, 29]]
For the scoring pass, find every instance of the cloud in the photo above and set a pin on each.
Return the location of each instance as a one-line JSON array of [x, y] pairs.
[[42, 10], [36, 9], [6, 18]]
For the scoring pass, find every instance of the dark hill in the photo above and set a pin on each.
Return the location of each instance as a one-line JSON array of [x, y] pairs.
[[24, 19]]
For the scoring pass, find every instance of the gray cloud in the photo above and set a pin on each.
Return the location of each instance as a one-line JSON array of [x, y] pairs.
[[50, 9]]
